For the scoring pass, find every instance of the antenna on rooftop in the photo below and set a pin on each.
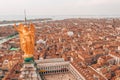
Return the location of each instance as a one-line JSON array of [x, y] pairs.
[[25, 20]]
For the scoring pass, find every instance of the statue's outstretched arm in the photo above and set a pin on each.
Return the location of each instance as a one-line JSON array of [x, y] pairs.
[[17, 28]]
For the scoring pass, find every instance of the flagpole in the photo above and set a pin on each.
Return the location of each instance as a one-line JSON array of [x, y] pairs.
[[25, 19]]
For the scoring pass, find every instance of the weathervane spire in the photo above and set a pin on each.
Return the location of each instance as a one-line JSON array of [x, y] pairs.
[[25, 16]]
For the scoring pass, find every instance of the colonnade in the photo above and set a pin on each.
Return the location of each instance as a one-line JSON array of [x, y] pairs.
[[53, 68], [46, 68]]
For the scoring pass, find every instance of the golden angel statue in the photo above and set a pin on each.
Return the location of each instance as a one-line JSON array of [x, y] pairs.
[[27, 39]]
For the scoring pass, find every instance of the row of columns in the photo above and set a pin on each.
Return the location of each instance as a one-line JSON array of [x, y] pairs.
[[117, 59], [54, 69], [75, 73], [59, 68]]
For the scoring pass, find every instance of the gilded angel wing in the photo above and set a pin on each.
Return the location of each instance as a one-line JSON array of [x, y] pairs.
[[32, 33], [32, 28]]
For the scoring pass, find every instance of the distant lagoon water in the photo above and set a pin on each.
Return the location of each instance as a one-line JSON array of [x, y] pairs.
[[54, 17]]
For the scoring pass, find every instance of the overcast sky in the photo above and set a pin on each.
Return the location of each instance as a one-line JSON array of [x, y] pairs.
[[60, 7]]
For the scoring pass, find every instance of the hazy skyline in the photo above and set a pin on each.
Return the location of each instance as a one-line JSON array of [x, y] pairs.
[[60, 7]]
